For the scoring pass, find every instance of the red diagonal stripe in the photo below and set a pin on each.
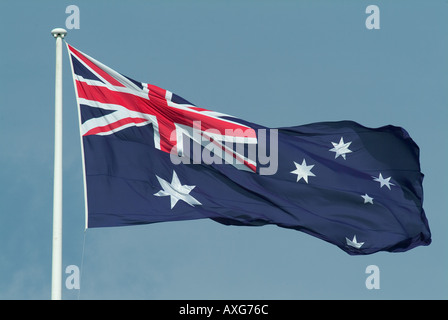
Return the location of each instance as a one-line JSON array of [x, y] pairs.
[[97, 69], [114, 125]]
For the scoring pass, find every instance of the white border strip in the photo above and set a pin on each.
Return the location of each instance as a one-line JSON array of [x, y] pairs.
[[82, 143]]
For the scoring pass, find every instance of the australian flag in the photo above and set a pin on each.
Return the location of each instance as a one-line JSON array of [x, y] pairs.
[[152, 156]]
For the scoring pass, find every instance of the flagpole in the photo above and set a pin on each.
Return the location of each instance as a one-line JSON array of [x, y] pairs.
[[56, 267]]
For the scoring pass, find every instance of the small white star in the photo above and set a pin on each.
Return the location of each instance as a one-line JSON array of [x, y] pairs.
[[341, 148], [303, 171], [367, 199], [354, 243], [176, 191], [383, 181]]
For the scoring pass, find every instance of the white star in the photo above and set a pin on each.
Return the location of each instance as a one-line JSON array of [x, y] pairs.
[[367, 199], [303, 171], [354, 243], [341, 148], [383, 181], [176, 191]]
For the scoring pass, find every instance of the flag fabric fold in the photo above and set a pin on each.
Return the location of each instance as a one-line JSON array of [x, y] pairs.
[[152, 156]]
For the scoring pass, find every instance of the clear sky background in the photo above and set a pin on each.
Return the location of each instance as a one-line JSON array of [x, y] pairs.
[[276, 63]]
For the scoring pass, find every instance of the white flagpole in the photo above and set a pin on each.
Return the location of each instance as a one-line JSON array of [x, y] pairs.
[[56, 268]]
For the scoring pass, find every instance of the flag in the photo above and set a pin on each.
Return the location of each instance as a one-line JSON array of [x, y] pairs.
[[152, 156]]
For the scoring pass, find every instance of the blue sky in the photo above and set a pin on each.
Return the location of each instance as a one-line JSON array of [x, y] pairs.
[[276, 63]]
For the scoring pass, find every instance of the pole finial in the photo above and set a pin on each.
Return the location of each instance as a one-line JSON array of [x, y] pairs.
[[56, 32]]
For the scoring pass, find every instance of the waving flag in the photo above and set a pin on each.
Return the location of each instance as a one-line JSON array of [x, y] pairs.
[[152, 156]]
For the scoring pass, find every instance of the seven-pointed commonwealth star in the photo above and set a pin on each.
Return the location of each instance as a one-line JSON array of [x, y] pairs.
[[383, 181], [341, 148], [176, 191], [303, 171]]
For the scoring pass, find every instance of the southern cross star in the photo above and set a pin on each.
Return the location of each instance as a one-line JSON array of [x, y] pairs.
[[176, 191], [354, 243], [383, 181], [303, 171], [341, 148], [367, 198]]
